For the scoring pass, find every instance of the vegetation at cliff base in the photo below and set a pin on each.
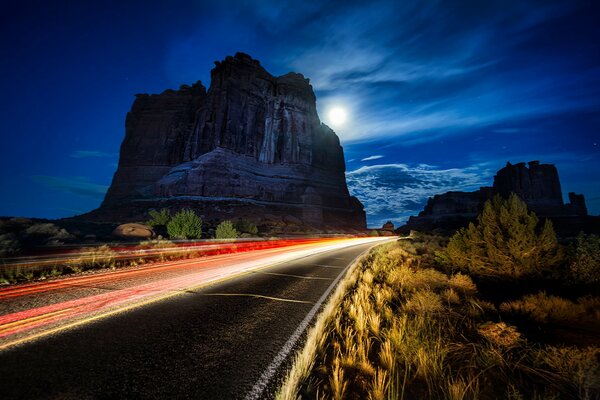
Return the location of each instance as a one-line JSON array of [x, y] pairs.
[[185, 224], [226, 230], [244, 226], [159, 218]]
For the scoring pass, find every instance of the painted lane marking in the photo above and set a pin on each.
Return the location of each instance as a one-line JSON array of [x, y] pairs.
[[293, 276], [328, 266], [257, 296], [28, 321]]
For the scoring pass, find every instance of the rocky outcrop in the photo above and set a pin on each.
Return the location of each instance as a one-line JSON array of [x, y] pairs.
[[537, 184], [388, 226], [250, 145], [134, 231]]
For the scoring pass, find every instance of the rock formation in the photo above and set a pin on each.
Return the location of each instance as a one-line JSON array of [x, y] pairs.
[[388, 226], [537, 184], [252, 145]]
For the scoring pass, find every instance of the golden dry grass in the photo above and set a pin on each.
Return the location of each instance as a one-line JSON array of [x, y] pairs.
[[396, 329]]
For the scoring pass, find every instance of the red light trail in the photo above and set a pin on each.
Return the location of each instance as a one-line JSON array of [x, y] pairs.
[[135, 287]]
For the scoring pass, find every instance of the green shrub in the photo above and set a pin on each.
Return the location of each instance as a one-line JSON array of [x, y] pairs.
[[226, 230], [185, 225], [159, 218], [506, 241], [373, 233], [584, 264], [245, 226]]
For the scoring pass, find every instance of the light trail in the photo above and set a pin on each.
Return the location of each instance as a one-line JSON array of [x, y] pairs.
[[28, 324], [108, 277]]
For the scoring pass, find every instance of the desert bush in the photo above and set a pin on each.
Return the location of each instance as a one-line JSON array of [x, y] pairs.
[[373, 233], [246, 226], [185, 225], [159, 218], [545, 308], [226, 230], [584, 263], [506, 241]]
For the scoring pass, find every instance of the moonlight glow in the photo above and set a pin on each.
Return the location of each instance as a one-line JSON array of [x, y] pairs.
[[337, 116]]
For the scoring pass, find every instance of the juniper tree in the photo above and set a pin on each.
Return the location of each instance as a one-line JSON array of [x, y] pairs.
[[507, 240], [185, 225], [225, 230]]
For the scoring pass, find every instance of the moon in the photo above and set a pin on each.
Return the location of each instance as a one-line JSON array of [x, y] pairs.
[[337, 116]]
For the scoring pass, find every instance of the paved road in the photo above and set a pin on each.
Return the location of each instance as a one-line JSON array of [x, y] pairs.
[[216, 342]]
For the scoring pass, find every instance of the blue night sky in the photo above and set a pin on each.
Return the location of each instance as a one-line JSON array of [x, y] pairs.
[[439, 94]]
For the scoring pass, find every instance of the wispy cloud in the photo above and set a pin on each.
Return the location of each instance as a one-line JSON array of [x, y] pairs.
[[75, 185], [92, 154], [371, 158], [396, 191], [479, 65]]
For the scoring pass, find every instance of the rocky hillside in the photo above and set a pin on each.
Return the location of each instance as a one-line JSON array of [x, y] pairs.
[[251, 146]]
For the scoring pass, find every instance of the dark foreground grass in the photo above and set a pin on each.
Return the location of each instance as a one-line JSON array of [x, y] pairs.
[[399, 329]]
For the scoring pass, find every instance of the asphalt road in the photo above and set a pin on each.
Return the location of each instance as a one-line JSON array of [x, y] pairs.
[[217, 342]]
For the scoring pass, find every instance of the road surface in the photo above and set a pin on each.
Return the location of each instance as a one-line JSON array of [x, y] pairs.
[[221, 327]]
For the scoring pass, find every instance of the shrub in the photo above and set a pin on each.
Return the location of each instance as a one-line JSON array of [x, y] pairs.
[[159, 218], [185, 225], [584, 265], [245, 226], [373, 233], [545, 308], [505, 241], [226, 230]]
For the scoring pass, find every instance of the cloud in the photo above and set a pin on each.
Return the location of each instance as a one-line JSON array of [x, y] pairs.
[[371, 158], [92, 154], [75, 185], [396, 191], [479, 64]]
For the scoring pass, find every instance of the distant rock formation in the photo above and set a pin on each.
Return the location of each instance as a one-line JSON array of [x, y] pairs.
[[250, 146], [388, 226], [537, 184]]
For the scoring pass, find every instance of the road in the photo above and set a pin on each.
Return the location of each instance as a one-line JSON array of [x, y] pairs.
[[220, 327]]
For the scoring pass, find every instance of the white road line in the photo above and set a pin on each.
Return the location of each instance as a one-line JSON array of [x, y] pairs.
[[292, 276], [268, 374], [328, 266]]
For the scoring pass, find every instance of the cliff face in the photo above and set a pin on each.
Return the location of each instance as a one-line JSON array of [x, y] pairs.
[[537, 184], [252, 145]]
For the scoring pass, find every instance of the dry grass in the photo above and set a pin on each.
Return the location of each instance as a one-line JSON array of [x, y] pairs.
[[398, 330], [545, 308]]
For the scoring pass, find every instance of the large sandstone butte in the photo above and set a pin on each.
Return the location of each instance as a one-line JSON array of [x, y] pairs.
[[251, 147], [537, 184]]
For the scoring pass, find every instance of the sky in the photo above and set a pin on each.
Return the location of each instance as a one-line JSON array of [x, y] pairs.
[[439, 95]]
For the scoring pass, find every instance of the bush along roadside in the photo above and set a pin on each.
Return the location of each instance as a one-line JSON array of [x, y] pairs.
[[403, 330]]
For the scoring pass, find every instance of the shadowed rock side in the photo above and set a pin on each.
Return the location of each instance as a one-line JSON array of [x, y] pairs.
[[537, 184], [253, 145]]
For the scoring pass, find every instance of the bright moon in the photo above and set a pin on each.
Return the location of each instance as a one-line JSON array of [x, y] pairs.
[[337, 116]]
